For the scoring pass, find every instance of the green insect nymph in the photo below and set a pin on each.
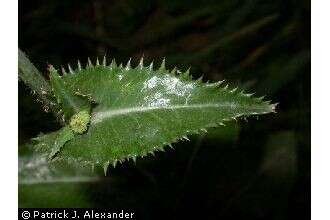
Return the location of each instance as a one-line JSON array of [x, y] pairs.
[[79, 122]]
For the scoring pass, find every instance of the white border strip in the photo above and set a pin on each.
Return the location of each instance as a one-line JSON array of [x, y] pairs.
[[320, 110]]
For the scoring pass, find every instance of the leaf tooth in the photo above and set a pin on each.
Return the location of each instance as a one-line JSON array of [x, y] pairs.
[[151, 66], [104, 62], [63, 71], [70, 69], [89, 63], [174, 71], [105, 167], [274, 107], [216, 84], [134, 159], [113, 63], [186, 138], [233, 90], [170, 145], [261, 98], [200, 79], [114, 164], [187, 73], [162, 66], [221, 123], [79, 65], [249, 94], [141, 63], [204, 130], [97, 61], [128, 65]]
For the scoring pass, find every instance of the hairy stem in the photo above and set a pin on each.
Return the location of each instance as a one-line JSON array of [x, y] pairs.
[[33, 78]]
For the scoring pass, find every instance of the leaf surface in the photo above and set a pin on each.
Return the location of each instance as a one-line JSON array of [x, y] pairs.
[[140, 110]]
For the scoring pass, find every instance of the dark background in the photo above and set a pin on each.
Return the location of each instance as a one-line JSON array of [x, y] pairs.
[[258, 169]]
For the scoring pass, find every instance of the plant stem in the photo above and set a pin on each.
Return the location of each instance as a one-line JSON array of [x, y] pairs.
[[34, 79]]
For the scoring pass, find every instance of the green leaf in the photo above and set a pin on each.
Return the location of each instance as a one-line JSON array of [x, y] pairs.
[[70, 103], [140, 110], [64, 136]]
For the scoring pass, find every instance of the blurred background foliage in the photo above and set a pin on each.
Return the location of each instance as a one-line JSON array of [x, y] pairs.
[[255, 170]]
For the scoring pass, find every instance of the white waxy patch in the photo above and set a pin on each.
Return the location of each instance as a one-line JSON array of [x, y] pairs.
[[156, 100], [151, 83], [171, 85], [176, 86]]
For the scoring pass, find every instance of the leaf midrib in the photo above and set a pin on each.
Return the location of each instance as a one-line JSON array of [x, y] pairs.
[[98, 117]]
